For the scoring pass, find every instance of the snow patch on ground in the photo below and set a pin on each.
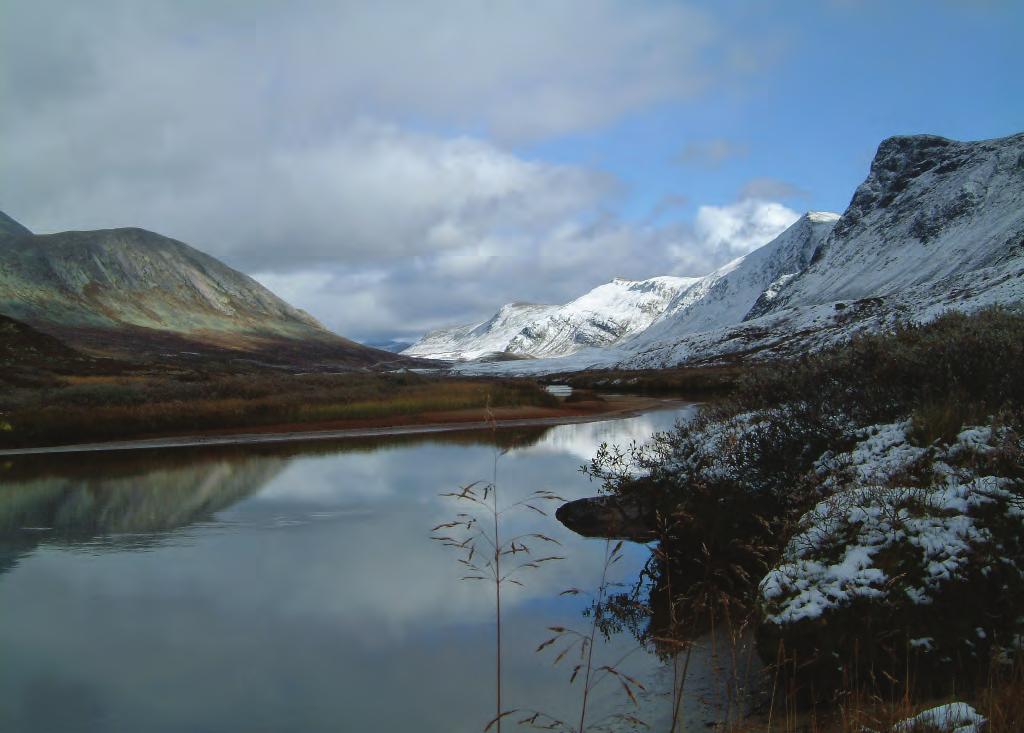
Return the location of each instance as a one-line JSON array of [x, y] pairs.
[[836, 557], [954, 717]]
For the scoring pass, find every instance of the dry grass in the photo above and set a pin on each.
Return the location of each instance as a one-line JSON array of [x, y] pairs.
[[96, 409]]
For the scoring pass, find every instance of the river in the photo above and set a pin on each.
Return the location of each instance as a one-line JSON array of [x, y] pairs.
[[296, 587]]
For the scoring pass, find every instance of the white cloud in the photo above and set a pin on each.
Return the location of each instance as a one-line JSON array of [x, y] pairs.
[[555, 264], [357, 156], [723, 233]]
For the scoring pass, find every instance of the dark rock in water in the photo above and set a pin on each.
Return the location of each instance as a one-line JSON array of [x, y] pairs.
[[609, 516]]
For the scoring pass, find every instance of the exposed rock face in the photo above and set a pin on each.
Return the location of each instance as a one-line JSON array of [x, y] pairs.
[[125, 289], [930, 209]]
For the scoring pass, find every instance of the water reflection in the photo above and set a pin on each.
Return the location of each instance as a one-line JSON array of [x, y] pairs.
[[283, 587]]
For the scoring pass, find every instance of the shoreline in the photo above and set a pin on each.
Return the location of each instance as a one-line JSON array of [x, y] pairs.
[[617, 408]]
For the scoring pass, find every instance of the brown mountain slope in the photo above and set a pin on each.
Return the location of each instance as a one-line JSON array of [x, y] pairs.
[[131, 292]]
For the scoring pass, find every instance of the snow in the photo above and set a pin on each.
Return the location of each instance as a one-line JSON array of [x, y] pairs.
[[601, 317], [954, 717], [478, 339], [724, 297], [830, 563], [937, 226], [929, 209]]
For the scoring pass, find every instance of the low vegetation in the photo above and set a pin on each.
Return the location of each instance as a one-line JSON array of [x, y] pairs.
[[863, 510], [85, 408], [699, 382]]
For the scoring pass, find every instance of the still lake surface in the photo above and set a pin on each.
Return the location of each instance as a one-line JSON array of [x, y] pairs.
[[295, 587]]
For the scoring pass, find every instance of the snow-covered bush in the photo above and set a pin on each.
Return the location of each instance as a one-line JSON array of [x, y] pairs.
[[916, 553], [871, 542]]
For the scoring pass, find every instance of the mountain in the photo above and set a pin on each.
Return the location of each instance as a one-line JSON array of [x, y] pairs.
[[603, 316], [930, 209], [478, 339], [10, 228], [726, 295], [134, 292], [937, 225], [393, 345]]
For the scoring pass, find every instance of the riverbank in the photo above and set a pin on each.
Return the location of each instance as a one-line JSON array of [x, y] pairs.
[[859, 510], [607, 407]]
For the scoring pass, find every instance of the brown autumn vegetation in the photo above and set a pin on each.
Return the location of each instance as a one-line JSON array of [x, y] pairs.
[[90, 408]]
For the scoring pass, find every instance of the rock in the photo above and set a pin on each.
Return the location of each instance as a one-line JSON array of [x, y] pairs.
[[609, 516]]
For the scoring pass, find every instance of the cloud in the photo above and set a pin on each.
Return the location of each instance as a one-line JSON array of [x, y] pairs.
[[723, 233], [554, 265], [711, 154], [358, 157], [771, 188]]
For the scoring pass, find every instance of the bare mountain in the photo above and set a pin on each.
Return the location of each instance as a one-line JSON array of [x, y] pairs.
[[131, 291]]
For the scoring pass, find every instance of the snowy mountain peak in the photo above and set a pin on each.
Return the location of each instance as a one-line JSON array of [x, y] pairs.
[[728, 294], [929, 208], [822, 217], [937, 225], [601, 317]]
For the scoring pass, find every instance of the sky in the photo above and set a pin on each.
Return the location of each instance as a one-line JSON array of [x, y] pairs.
[[396, 166]]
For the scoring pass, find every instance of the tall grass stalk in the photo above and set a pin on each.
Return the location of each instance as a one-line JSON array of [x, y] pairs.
[[592, 675], [477, 535]]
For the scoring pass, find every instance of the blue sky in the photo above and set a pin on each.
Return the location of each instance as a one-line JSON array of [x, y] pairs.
[[396, 166], [842, 77]]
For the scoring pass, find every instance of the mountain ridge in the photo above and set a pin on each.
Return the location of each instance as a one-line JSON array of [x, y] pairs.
[[604, 315], [937, 225], [130, 290]]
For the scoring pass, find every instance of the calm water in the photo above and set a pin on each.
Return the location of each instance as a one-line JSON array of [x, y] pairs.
[[289, 588]]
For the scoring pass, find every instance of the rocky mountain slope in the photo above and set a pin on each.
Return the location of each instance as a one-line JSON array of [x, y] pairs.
[[726, 296], [604, 316], [937, 225], [131, 291]]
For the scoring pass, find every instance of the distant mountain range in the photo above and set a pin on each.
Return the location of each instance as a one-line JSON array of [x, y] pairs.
[[604, 316], [131, 292], [937, 225]]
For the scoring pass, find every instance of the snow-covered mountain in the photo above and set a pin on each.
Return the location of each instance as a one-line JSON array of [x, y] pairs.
[[937, 225], [478, 339], [726, 295], [602, 317]]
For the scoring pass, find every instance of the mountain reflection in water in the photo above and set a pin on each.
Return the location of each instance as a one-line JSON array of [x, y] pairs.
[[289, 587]]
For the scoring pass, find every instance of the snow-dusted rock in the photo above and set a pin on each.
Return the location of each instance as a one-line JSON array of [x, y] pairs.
[[479, 339], [726, 296]]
